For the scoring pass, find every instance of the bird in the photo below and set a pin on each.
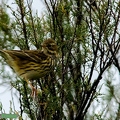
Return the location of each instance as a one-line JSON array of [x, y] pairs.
[[32, 64]]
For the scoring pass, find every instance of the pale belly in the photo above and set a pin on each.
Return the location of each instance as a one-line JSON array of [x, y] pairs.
[[32, 75]]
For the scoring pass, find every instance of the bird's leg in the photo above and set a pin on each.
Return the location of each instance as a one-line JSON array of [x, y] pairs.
[[34, 90]]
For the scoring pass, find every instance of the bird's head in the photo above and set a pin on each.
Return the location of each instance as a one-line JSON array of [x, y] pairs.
[[50, 48]]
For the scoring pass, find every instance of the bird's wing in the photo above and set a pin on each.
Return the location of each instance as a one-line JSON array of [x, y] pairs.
[[31, 55]]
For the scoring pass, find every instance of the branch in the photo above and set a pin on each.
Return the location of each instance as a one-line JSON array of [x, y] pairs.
[[22, 12]]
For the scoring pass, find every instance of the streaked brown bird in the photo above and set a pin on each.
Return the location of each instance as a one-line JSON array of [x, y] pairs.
[[32, 64]]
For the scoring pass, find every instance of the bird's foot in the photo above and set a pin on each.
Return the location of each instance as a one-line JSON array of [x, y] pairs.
[[35, 92]]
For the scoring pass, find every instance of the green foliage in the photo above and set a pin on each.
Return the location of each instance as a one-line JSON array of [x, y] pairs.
[[88, 46], [5, 34]]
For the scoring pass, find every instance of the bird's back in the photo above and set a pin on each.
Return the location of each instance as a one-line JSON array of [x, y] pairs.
[[30, 64]]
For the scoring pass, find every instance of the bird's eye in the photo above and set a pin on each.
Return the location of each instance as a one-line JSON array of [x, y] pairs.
[[49, 46]]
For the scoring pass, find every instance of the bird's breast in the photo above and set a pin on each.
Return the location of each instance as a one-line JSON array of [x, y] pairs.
[[34, 70]]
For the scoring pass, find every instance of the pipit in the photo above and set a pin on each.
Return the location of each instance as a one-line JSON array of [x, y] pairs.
[[32, 64]]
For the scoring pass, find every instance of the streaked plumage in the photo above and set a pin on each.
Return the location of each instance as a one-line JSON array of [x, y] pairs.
[[32, 64]]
